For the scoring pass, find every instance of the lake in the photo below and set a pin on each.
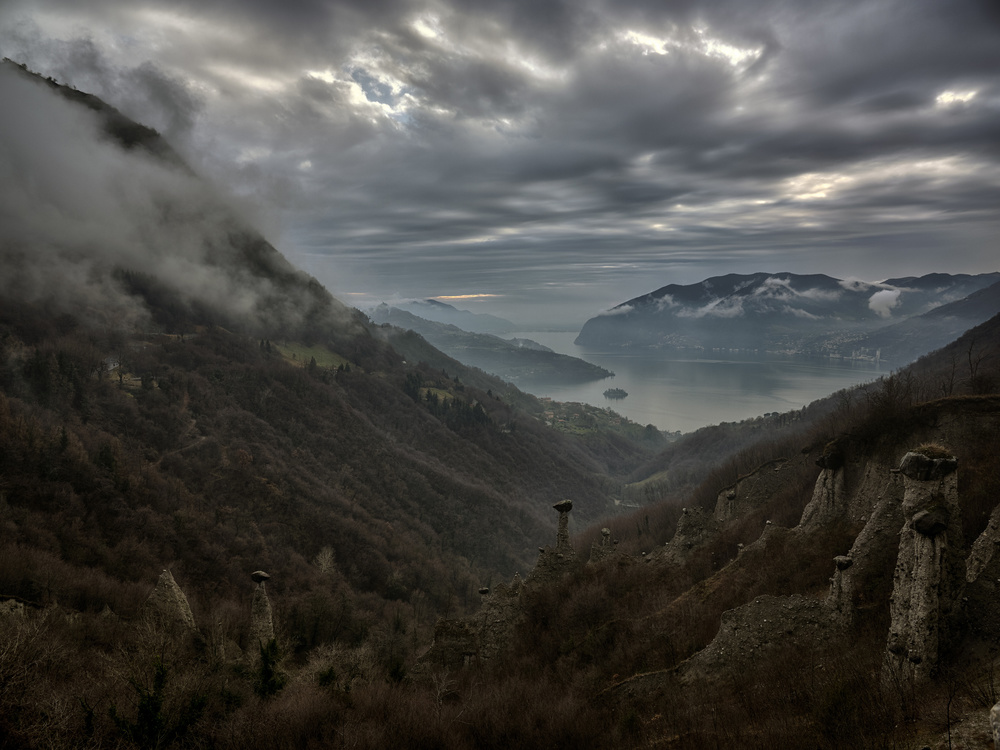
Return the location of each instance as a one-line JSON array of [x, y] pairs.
[[677, 392]]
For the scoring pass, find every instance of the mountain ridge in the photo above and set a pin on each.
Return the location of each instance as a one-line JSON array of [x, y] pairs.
[[442, 312], [520, 364], [781, 312]]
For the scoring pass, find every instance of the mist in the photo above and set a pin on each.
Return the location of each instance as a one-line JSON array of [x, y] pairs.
[[75, 207]]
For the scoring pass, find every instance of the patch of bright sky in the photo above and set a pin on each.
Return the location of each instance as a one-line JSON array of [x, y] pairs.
[[706, 45], [944, 168], [951, 98], [466, 296], [266, 84], [815, 185], [326, 76], [427, 26], [735, 56], [486, 45], [357, 96]]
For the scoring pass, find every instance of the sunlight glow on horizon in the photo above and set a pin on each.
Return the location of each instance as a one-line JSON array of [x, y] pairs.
[[466, 296]]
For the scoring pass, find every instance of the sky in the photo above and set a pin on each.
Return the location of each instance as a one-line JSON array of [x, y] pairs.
[[545, 160]]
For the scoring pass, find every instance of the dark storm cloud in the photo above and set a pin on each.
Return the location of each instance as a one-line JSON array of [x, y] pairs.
[[459, 141]]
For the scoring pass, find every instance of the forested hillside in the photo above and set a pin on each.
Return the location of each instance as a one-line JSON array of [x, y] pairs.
[[175, 395]]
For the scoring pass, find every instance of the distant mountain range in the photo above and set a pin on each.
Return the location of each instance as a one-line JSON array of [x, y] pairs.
[[520, 361], [442, 312], [796, 314]]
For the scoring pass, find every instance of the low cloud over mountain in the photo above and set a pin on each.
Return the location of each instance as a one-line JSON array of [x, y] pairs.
[[774, 312], [86, 195]]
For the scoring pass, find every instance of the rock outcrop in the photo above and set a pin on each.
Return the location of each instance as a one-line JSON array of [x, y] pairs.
[[982, 576], [482, 638], [604, 549], [750, 491], [486, 636], [167, 605], [984, 549], [261, 617], [857, 577], [930, 568], [554, 562], [762, 630], [695, 527], [829, 499], [845, 492], [455, 644], [11, 608], [496, 622]]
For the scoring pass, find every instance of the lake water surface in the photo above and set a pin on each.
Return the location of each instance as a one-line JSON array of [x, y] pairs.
[[681, 393]]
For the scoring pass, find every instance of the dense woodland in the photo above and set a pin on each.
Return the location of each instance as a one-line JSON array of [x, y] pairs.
[[382, 485], [377, 509]]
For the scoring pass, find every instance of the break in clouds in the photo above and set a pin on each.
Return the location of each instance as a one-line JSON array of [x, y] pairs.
[[582, 152]]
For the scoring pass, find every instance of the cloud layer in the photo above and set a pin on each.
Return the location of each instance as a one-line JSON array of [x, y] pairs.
[[583, 153]]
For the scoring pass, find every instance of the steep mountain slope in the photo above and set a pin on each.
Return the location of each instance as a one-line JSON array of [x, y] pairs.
[[96, 212], [773, 312], [175, 393], [908, 339], [523, 365], [441, 312]]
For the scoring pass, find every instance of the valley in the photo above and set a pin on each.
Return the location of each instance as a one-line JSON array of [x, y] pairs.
[[683, 391]]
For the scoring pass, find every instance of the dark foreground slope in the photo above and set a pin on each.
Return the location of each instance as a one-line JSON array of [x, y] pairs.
[[602, 653]]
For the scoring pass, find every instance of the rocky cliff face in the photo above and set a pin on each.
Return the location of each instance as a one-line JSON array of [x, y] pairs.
[[856, 580], [486, 636], [261, 617], [750, 635], [167, 605], [750, 491], [930, 567], [907, 550]]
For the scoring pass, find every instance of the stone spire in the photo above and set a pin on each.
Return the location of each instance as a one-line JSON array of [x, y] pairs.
[[930, 568], [553, 562], [168, 605], [562, 535], [261, 620]]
